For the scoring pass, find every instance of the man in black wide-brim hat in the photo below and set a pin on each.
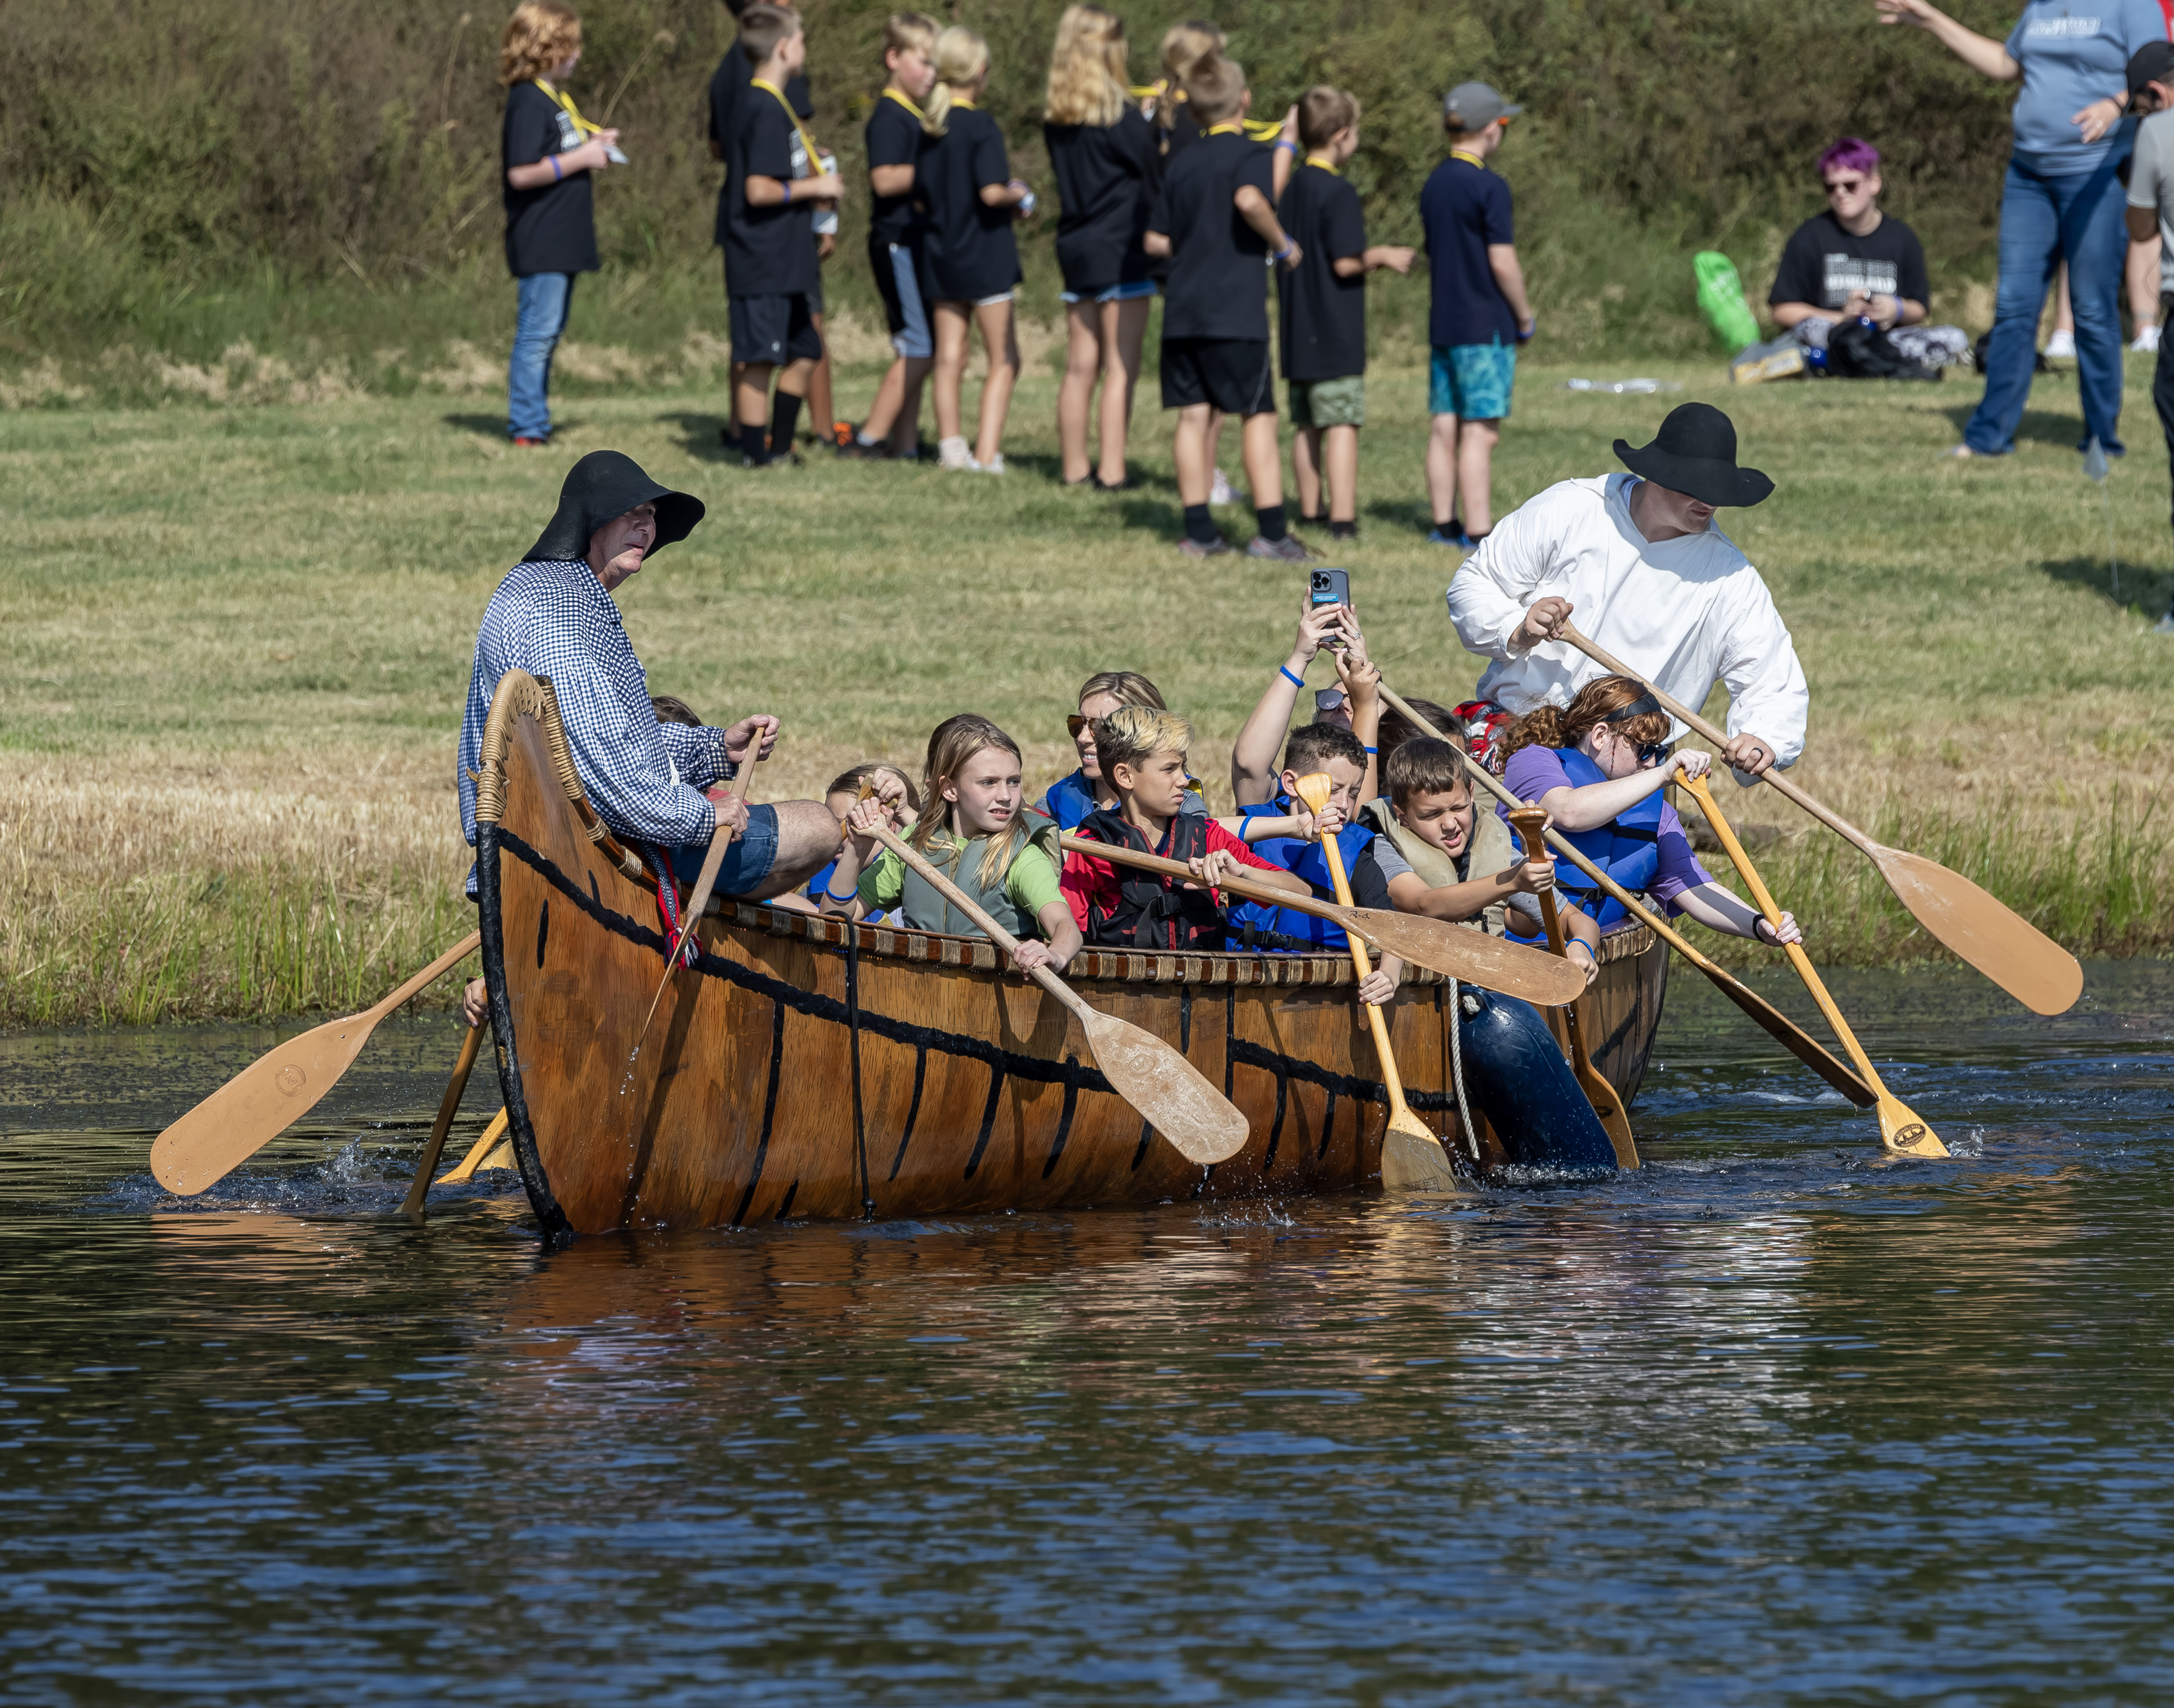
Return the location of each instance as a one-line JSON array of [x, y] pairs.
[[1637, 558], [553, 616]]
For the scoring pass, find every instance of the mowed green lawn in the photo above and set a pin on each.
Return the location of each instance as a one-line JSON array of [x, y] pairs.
[[234, 644]]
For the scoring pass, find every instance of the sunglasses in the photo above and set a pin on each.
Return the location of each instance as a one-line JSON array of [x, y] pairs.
[[1075, 723], [1845, 186], [1655, 753], [1327, 699]]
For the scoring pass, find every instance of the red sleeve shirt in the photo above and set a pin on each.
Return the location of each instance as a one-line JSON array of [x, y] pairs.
[[1089, 882]]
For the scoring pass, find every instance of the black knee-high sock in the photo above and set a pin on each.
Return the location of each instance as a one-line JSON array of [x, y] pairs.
[[753, 445], [1269, 519], [784, 417], [1200, 525]]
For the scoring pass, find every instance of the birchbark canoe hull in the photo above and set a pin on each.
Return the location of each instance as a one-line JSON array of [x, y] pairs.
[[808, 1068]]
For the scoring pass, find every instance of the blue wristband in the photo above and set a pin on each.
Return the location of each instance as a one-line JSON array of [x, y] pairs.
[[558, 171], [841, 899], [1286, 142], [1371, 750], [787, 202], [1285, 671]]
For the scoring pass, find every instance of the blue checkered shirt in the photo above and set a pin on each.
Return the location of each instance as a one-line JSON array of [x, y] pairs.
[[556, 620]]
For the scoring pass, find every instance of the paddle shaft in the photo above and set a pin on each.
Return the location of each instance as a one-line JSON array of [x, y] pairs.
[[1797, 957], [1252, 889], [447, 1108], [1799, 1043], [1607, 1102], [1676, 708], [698, 898], [1390, 1077], [996, 934], [429, 975]]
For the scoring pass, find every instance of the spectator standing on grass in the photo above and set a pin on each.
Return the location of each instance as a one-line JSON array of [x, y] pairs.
[[1108, 161], [1854, 262], [2062, 198], [548, 152], [1480, 314], [2151, 213]]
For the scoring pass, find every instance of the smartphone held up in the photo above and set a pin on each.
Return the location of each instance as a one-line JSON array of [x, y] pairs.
[[1331, 587]]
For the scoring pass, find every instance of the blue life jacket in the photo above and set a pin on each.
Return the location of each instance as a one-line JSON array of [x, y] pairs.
[[1069, 800], [1627, 848], [1284, 929]]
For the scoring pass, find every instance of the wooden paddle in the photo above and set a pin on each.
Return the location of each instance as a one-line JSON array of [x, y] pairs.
[[448, 1107], [1531, 824], [1172, 1094], [1436, 944], [1900, 1129], [1980, 928], [1784, 1030], [482, 1152], [1412, 1158], [276, 1090], [698, 898]]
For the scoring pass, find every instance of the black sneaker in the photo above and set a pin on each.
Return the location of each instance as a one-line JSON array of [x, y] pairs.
[[1289, 549], [1192, 548]]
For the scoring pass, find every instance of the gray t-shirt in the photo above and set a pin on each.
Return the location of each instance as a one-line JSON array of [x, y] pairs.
[[2074, 52], [2151, 185]]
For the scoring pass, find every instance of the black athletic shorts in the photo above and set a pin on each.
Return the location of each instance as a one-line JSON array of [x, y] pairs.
[[906, 320], [1231, 375], [775, 329]]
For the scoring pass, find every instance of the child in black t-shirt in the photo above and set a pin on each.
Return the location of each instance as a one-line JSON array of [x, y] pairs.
[[1217, 221], [1323, 303], [769, 241], [965, 179], [897, 237], [548, 152]]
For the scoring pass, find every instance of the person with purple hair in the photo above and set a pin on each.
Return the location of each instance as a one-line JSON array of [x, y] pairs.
[[1852, 261], [2062, 199]]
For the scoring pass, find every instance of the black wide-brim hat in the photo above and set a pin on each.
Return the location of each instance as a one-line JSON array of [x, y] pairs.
[[602, 487], [1695, 452]]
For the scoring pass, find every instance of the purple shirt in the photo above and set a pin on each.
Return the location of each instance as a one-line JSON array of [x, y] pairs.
[[1534, 771]]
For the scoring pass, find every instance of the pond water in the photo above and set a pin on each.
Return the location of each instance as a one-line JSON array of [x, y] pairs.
[[1770, 1421]]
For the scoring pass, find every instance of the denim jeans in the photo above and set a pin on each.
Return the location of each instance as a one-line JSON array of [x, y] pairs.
[[545, 298], [2043, 219]]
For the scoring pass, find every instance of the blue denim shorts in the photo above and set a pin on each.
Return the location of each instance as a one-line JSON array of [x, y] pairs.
[[747, 862], [1471, 381], [1131, 291]]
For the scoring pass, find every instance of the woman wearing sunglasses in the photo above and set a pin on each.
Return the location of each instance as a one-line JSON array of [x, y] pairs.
[[1600, 766], [1071, 799]]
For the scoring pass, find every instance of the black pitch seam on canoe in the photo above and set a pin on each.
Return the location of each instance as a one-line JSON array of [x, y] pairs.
[[1063, 1125], [853, 1042], [557, 1228], [912, 1110], [769, 1108], [988, 1117], [1622, 1031]]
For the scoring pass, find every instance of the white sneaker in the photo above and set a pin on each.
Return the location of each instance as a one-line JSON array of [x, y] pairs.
[[1219, 490], [2147, 340], [952, 453], [2165, 626], [2061, 347], [995, 465]]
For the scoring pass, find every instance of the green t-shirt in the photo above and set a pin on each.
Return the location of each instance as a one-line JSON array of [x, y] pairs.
[[1032, 882]]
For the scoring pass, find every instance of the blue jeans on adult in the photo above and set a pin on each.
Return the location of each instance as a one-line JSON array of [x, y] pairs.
[[2043, 219], [545, 298]]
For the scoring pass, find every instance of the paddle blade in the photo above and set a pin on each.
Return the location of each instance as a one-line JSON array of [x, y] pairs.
[[1172, 1094], [1412, 1160], [1902, 1134], [1985, 931], [256, 1106], [1457, 952]]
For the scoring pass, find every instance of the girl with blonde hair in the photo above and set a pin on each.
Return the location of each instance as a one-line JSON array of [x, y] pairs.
[[1108, 161], [977, 828], [1600, 766], [547, 153], [965, 178]]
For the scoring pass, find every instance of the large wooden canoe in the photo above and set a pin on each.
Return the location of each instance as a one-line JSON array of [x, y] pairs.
[[808, 1068]]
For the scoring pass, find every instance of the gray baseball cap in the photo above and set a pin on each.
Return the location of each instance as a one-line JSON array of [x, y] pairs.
[[1475, 105]]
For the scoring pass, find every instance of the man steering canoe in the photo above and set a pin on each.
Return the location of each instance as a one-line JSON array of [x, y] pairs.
[[553, 617], [1637, 558]]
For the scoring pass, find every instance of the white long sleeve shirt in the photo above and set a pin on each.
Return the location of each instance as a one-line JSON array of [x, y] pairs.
[[1684, 612]]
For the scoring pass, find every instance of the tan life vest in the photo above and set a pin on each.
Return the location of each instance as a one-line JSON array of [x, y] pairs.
[[1490, 850]]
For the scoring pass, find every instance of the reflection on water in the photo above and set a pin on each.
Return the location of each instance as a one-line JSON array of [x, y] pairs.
[[1771, 1420]]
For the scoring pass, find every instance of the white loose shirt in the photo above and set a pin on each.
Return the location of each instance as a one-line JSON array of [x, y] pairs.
[[1684, 612]]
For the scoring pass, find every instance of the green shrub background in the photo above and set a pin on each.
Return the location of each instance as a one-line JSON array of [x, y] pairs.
[[320, 177]]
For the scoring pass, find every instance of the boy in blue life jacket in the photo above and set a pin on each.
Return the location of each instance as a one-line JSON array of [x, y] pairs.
[[1282, 833]]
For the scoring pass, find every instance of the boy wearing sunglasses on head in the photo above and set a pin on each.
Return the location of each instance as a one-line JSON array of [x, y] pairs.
[[1600, 766]]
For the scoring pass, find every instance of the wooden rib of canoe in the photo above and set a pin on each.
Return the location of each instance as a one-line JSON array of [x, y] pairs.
[[808, 1068]]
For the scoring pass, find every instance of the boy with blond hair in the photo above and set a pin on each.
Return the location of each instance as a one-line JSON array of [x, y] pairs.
[[1216, 221], [1323, 303], [1141, 752]]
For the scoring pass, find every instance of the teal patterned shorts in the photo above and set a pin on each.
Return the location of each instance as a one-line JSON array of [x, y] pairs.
[[1471, 381]]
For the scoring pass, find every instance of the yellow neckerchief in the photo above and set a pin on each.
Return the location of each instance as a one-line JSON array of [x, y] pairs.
[[583, 127], [1326, 165], [807, 142], [1229, 128], [1478, 160], [960, 100], [1152, 91], [1261, 129], [905, 101]]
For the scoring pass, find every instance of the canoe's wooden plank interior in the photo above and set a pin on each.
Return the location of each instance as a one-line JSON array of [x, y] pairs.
[[807, 1068]]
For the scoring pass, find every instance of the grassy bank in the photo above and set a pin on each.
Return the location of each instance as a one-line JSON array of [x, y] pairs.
[[234, 643]]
